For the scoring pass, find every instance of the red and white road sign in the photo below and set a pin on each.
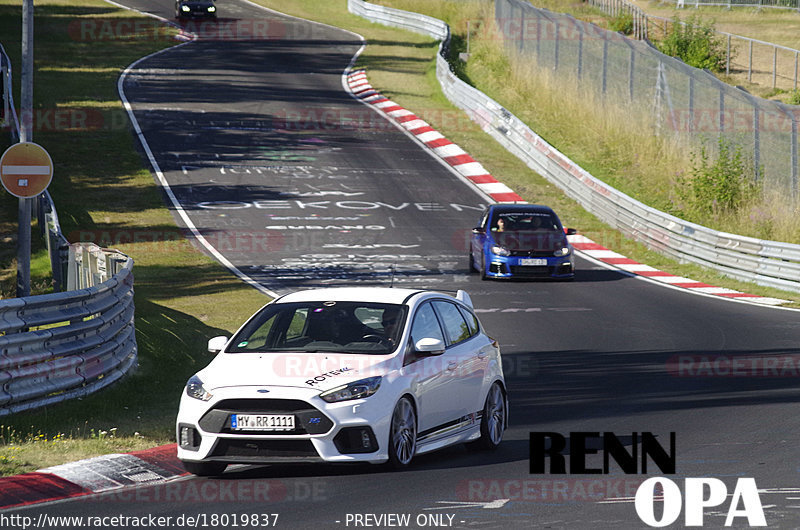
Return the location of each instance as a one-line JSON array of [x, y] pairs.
[[26, 170]]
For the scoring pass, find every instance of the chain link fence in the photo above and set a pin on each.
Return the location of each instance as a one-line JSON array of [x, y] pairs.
[[676, 98], [772, 4], [756, 61]]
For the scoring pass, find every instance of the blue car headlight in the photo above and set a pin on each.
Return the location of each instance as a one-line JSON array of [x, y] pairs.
[[500, 251], [563, 251], [355, 390]]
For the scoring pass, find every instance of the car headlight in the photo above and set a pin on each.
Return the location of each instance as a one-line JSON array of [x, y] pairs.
[[355, 390], [500, 251], [195, 389], [212, 8], [185, 8], [563, 251]]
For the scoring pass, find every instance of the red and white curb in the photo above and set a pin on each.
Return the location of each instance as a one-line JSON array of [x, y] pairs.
[[94, 475], [609, 257], [452, 154], [480, 177]]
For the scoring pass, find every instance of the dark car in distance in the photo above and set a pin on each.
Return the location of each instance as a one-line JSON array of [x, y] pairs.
[[195, 8], [521, 241]]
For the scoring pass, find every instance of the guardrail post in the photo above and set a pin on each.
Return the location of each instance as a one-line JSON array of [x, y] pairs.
[[774, 67], [605, 59], [794, 158], [555, 53], [795, 68], [728, 58], [631, 73], [690, 124], [580, 48], [721, 111]]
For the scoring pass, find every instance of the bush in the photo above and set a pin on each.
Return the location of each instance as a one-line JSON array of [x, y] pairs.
[[695, 43], [719, 187], [794, 98], [622, 23]]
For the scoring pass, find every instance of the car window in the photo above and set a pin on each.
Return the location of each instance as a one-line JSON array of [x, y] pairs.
[[425, 325], [257, 340], [297, 325], [472, 321], [346, 327], [453, 322], [525, 221]]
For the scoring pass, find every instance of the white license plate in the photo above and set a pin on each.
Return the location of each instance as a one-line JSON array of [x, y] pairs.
[[534, 262], [262, 422]]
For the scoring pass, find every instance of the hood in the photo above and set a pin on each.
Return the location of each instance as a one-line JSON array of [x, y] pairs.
[[544, 241], [317, 371]]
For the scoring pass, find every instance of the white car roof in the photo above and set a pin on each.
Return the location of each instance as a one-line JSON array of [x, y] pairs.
[[353, 294]]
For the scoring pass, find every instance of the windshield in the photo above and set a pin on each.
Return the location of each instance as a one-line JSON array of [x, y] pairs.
[[525, 222], [346, 327]]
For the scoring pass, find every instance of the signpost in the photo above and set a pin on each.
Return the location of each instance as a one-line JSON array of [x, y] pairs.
[[26, 170]]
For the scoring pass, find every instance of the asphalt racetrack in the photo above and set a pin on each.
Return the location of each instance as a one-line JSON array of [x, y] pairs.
[[296, 184]]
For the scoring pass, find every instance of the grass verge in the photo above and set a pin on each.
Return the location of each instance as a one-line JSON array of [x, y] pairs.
[[101, 184]]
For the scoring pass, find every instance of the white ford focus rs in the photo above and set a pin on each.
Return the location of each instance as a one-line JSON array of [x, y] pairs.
[[345, 375]]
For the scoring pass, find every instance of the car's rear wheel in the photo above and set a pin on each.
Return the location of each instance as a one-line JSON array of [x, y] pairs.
[[403, 434], [205, 469], [493, 422]]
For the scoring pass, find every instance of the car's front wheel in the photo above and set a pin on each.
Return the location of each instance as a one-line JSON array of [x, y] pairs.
[[403, 434], [493, 422], [205, 469]]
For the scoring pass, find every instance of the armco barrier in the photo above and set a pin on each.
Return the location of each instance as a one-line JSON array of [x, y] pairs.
[[768, 263], [59, 346]]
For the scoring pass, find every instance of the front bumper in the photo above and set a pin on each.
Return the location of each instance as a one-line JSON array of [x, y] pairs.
[[349, 431], [516, 267]]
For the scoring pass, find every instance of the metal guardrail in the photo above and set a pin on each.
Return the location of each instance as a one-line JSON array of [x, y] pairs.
[[9, 118], [64, 345], [768, 263], [60, 346]]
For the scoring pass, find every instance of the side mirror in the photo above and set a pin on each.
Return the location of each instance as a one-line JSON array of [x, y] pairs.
[[216, 344], [429, 346], [478, 230], [571, 231]]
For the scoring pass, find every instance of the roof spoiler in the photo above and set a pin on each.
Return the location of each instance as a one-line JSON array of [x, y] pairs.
[[463, 297]]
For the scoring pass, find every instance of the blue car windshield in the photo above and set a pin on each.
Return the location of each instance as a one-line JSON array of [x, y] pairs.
[[525, 222]]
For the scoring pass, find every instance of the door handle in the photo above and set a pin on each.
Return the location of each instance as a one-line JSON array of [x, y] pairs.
[[481, 354], [452, 365]]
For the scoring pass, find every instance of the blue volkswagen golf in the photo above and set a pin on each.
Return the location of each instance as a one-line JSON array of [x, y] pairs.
[[521, 241]]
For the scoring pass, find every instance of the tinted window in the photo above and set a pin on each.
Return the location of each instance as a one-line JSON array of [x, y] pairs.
[[472, 321], [351, 327], [525, 221], [425, 325], [454, 324]]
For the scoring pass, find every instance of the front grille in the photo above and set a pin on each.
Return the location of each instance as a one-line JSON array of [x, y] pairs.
[[263, 449], [531, 272], [532, 253], [308, 420]]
